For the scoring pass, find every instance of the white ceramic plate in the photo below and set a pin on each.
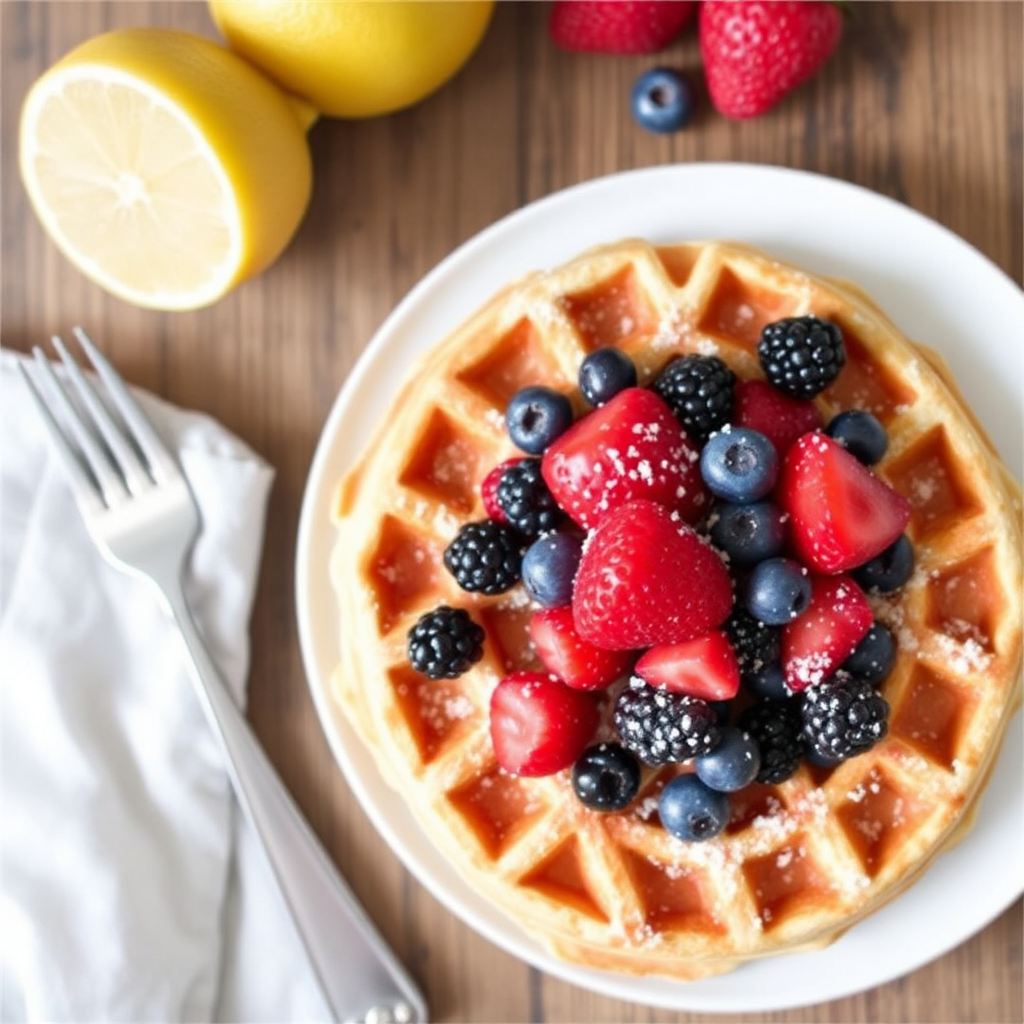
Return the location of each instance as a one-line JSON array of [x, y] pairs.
[[937, 288]]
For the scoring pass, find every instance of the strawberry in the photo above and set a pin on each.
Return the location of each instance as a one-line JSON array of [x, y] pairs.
[[841, 514], [631, 447], [538, 725], [755, 53], [489, 490], [647, 578], [705, 667], [781, 419], [565, 654], [825, 635], [618, 26]]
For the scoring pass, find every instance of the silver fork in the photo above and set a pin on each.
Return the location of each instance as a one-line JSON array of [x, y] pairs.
[[141, 514]]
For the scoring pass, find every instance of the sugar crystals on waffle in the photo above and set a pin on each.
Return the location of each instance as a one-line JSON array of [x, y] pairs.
[[769, 635]]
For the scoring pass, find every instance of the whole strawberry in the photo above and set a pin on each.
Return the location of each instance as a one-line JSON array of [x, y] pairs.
[[755, 53], [619, 26]]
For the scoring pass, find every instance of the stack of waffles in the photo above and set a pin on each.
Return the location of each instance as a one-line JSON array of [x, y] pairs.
[[801, 861]]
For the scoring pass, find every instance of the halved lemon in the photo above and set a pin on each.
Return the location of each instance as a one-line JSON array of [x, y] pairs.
[[163, 166]]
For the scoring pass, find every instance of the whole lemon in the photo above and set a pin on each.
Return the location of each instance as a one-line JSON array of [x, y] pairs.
[[162, 165], [355, 58]]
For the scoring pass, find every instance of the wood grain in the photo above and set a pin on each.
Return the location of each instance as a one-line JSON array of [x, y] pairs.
[[923, 103]]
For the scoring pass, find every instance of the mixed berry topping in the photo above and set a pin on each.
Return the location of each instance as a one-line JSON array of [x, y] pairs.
[[536, 416], [861, 434], [486, 557], [748, 532], [739, 464], [604, 373], [445, 642], [699, 554], [606, 777], [801, 356], [549, 568], [525, 499], [693, 811], [699, 390], [663, 727], [776, 727], [843, 717]]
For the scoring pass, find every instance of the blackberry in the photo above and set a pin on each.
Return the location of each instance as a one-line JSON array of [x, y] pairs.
[[700, 391], [843, 717], [445, 642], [776, 727], [662, 727], [756, 645], [802, 355], [525, 499], [485, 557]]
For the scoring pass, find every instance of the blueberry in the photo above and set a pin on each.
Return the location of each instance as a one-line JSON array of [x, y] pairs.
[[606, 777], [732, 764], [889, 570], [662, 100], [768, 682], [861, 434], [739, 464], [536, 416], [873, 658], [549, 568], [604, 373], [749, 533], [778, 591], [691, 810]]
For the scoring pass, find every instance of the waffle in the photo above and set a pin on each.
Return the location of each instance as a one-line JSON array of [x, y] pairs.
[[800, 862]]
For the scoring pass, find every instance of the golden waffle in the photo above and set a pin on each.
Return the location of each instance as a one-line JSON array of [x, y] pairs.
[[800, 861]]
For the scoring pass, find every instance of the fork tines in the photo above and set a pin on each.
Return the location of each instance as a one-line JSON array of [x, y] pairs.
[[107, 461]]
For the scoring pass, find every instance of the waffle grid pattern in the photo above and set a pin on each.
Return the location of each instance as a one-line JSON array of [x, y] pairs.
[[800, 861]]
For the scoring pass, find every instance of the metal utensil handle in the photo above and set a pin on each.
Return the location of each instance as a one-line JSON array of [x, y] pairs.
[[359, 975]]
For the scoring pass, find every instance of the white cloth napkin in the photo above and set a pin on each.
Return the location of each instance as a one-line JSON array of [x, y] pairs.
[[130, 887]]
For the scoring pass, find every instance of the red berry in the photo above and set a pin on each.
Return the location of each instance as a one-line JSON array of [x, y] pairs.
[[817, 643], [780, 418], [706, 667], [646, 578], [489, 490], [755, 53], [632, 447], [565, 654], [538, 725], [841, 514], [618, 26]]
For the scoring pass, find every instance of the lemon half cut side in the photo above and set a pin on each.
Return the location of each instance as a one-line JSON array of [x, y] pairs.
[[163, 167]]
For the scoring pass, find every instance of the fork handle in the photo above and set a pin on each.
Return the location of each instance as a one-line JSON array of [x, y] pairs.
[[359, 976]]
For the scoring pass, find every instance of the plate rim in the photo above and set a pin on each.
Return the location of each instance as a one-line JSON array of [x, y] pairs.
[[331, 719]]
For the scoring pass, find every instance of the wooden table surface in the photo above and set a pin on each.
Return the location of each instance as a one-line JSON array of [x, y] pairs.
[[922, 103]]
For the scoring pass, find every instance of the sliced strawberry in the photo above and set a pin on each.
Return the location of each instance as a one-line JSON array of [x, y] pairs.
[[538, 725], [841, 514], [631, 447], [489, 490], [618, 26], [706, 667], [646, 578], [780, 418], [817, 643], [565, 654]]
